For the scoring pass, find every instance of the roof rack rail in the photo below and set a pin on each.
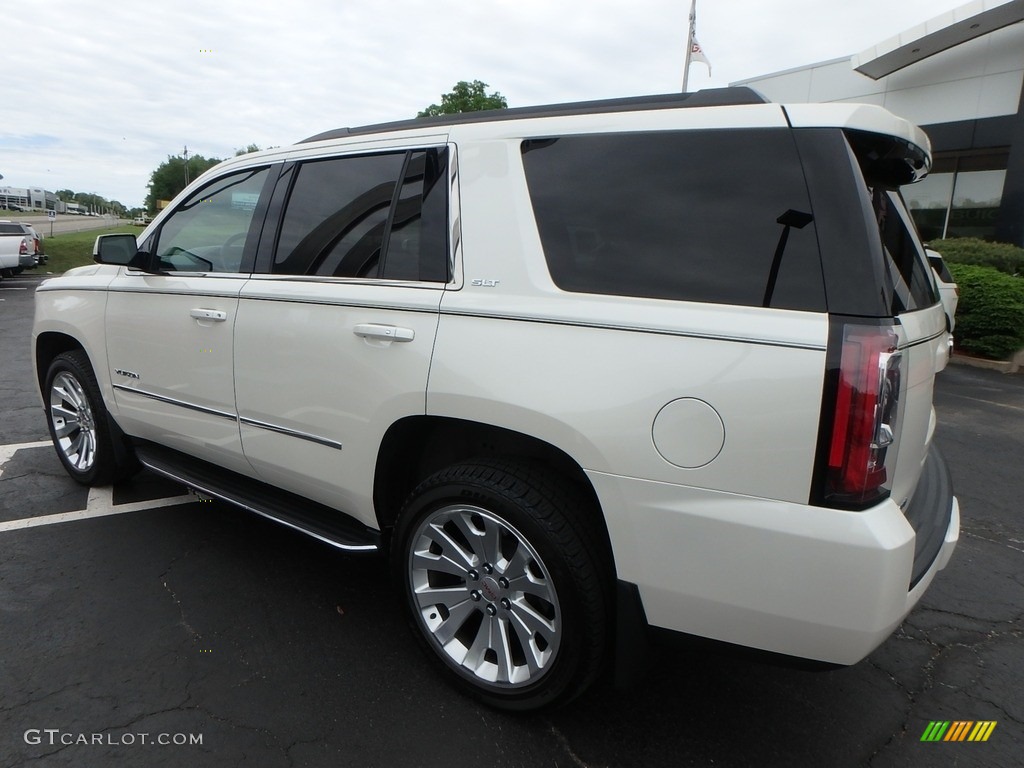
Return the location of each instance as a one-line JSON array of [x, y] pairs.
[[709, 97]]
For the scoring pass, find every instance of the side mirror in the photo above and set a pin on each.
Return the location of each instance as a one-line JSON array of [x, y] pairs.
[[120, 249]]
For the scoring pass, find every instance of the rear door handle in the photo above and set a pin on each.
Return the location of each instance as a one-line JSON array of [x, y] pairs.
[[384, 332], [209, 314]]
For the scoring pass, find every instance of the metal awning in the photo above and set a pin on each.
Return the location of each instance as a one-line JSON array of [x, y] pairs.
[[936, 35]]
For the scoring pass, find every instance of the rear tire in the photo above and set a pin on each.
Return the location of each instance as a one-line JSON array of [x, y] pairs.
[[506, 582], [80, 427]]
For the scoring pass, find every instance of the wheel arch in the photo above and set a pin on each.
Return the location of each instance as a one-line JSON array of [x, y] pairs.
[[48, 345], [415, 447]]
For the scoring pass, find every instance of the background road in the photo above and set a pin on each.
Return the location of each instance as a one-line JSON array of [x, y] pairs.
[[64, 223], [200, 619]]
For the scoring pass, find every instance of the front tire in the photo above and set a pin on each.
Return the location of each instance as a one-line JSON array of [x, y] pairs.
[[80, 427], [506, 582]]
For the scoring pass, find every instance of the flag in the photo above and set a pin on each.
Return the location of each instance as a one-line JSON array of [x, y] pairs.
[[697, 54]]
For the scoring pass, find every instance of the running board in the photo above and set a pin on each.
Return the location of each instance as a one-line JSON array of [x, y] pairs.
[[316, 520]]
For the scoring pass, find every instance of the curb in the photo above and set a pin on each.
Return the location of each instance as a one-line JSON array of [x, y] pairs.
[[1013, 365]]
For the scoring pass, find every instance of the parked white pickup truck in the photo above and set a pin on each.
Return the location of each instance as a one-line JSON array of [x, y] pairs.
[[14, 244]]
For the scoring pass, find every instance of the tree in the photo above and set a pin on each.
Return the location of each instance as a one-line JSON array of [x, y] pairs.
[[466, 97], [90, 201], [170, 178], [248, 149]]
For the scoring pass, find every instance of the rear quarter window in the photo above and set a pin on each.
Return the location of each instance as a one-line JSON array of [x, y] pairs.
[[705, 216], [911, 283]]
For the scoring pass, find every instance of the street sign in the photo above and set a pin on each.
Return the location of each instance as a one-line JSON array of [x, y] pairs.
[[51, 214]]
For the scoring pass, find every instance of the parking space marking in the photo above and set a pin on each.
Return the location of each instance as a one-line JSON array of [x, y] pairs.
[[100, 502], [7, 451]]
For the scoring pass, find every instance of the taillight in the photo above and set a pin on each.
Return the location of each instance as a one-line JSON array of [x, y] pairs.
[[863, 423], [23, 248]]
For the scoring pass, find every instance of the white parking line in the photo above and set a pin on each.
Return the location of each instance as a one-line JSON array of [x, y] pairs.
[[100, 502], [6, 451]]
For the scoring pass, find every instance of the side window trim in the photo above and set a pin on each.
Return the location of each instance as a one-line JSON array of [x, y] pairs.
[[275, 214], [259, 220], [454, 221], [389, 224]]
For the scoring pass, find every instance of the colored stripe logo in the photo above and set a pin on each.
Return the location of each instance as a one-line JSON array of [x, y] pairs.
[[958, 730]]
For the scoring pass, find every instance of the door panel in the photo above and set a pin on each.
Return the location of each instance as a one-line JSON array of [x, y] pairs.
[[170, 330], [319, 380], [172, 370]]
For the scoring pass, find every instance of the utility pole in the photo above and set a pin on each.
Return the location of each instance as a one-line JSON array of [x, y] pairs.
[[186, 155]]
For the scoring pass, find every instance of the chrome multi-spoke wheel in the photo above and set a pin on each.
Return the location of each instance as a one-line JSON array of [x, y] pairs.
[[88, 443], [507, 576], [484, 595], [73, 422]]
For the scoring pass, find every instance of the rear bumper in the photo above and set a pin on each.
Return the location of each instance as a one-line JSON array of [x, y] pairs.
[[808, 582], [929, 513]]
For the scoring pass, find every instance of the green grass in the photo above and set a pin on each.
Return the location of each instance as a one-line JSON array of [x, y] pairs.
[[74, 249]]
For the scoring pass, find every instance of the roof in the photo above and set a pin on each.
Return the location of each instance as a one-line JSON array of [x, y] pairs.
[[709, 97]]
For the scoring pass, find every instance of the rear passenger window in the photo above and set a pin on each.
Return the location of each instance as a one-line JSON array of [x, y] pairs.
[[709, 216], [371, 216]]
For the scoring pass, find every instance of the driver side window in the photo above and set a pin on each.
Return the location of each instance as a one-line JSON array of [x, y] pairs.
[[208, 232]]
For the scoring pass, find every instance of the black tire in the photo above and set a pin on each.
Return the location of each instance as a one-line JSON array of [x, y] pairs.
[[88, 443], [529, 630]]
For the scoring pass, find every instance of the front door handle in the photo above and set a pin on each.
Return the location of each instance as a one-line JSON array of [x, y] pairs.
[[209, 314], [384, 332]]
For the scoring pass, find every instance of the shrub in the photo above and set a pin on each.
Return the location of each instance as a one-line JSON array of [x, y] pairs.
[[990, 315], [970, 250]]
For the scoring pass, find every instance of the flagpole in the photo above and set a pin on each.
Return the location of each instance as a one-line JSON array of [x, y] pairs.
[[689, 43]]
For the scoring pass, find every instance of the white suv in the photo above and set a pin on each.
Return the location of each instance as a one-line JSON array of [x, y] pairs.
[[581, 370]]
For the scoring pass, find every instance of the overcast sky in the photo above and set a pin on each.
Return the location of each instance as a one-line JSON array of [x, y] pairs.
[[95, 95]]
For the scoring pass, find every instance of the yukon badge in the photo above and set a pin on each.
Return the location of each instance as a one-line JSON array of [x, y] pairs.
[[129, 374]]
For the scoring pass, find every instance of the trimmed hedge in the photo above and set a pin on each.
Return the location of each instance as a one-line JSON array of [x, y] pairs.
[[990, 314], [970, 250]]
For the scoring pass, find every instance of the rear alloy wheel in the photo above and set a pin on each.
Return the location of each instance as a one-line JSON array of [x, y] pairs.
[[504, 584], [79, 426]]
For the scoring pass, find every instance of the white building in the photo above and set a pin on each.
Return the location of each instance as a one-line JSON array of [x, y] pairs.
[[960, 77], [29, 199]]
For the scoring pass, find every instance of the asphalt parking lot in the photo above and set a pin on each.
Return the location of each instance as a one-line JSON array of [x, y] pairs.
[[141, 627]]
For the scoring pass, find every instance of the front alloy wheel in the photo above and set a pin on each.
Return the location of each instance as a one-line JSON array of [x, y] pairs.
[[73, 423], [87, 441]]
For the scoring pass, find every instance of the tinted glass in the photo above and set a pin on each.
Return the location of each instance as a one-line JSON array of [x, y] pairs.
[[941, 269], [908, 270], [928, 201], [373, 216], [417, 244], [976, 200], [208, 232], [710, 216], [336, 216]]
